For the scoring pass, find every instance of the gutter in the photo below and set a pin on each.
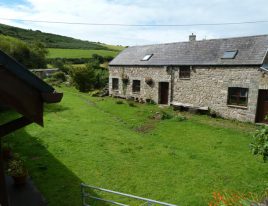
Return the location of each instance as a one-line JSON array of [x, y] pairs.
[[264, 69]]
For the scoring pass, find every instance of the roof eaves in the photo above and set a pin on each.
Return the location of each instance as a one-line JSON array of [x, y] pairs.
[[24, 74]]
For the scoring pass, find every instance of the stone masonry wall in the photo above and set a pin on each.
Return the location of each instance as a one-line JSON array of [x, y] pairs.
[[207, 87], [158, 74]]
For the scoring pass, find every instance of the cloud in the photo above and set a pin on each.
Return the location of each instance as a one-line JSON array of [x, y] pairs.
[[139, 12]]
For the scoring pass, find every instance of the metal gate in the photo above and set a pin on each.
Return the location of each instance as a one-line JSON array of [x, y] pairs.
[[87, 194]]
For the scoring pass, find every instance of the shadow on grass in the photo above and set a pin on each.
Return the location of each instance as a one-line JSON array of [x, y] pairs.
[[58, 184], [55, 108]]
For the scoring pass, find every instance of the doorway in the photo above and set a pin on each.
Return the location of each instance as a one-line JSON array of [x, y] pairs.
[[262, 108], [163, 92]]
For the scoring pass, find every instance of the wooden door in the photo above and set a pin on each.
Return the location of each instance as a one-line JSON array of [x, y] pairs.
[[163, 92], [262, 109]]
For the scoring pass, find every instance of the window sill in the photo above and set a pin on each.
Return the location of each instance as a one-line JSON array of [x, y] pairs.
[[237, 106], [136, 92], [185, 78]]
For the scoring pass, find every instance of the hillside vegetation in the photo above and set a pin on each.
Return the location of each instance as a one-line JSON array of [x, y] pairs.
[[78, 53], [53, 40], [31, 55]]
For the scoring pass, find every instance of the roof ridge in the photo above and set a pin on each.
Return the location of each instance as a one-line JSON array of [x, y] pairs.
[[225, 38]]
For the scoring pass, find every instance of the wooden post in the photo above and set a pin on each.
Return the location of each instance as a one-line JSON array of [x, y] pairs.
[[3, 189]]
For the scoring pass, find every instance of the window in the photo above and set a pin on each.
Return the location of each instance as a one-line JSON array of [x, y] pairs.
[[229, 54], [238, 96], [115, 85], [147, 57], [136, 86], [185, 72]]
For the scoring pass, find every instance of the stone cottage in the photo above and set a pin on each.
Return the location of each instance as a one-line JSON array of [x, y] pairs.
[[228, 76]]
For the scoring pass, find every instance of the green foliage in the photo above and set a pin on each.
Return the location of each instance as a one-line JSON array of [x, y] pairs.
[[166, 115], [6, 146], [131, 104], [259, 145], [92, 134], [30, 55], [53, 40], [59, 76], [179, 118], [119, 102], [80, 53], [16, 167], [83, 78]]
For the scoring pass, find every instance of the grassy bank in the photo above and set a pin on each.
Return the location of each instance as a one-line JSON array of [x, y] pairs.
[[118, 147], [78, 53]]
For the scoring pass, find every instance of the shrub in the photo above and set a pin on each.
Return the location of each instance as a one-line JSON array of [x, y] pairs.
[[131, 104], [119, 102], [166, 115], [30, 55], [259, 145], [179, 118], [16, 167], [83, 78], [59, 76]]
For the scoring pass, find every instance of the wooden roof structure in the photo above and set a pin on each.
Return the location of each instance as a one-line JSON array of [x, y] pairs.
[[21, 90]]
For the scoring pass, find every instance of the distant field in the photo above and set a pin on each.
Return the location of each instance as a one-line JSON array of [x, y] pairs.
[[78, 53], [114, 47]]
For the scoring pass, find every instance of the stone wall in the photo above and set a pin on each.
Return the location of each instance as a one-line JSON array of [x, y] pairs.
[[207, 87], [158, 74]]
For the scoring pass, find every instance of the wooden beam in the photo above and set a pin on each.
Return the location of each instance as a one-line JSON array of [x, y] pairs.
[[14, 125], [52, 97], [21, 96], [3, 190]]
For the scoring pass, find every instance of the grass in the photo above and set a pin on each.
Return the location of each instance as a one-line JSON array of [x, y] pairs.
[[99, 142], [78, 53], [114, 47]]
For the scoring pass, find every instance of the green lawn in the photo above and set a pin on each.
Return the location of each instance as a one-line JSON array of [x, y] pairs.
[[78, 53], [115, 146]]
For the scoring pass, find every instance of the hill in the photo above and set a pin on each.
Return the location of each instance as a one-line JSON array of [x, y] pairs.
[[54, 40], [78, 53]]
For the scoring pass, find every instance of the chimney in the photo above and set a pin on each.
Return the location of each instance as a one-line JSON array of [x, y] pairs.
[[192, 37]]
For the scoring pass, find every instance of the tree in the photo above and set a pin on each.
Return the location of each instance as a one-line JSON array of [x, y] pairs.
[[83, 78], [30, 55]]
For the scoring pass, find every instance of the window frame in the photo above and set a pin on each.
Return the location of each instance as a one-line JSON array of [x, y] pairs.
[[185, 72], [115, 86], [237, 95], [147, 57], [226, 54], [136, 88]]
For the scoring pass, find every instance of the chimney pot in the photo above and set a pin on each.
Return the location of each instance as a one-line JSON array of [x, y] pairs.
[[192, 37]]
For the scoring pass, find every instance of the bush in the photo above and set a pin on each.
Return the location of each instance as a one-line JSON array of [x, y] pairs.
[[119, 102], [166, 115], [30, 55], [131, 104], [259, 145], [179, 118], [83, 78], [60, 76]]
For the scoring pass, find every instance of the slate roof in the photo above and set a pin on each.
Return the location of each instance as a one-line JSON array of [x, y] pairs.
[[251, 51]]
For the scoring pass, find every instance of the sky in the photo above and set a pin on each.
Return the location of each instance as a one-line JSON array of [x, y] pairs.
[[153, 12]]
